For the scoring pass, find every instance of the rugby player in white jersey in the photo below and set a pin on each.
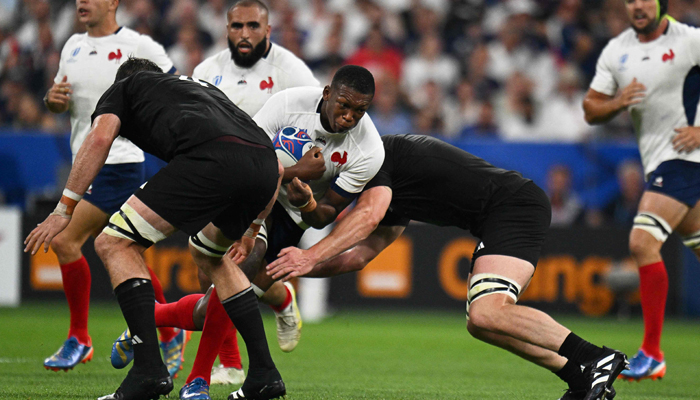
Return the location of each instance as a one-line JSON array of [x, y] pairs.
[[653, 71], [88, 65], [249, 72]]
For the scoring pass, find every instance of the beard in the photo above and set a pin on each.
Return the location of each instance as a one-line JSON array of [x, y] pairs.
[[649, 28], [248, 60]]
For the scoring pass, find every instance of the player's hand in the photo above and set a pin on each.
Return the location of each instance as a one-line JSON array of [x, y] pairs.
[[45, 232], [241, 249], [311, 166], [687, 139], [631, 94], [298, 192], [58, 97], [291, 262]]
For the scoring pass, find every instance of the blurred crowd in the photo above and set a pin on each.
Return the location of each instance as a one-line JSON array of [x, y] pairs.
[[512, 70]]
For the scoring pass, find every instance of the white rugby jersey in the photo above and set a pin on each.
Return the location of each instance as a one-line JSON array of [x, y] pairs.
[[352, 158], [669, 68], [91, 63], [250, 88]]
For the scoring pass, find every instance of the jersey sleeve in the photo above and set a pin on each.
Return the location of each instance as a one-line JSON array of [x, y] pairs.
[[62, 63], [694, 44], [201, 71], [302, 76], [604, 81], [113, 101], [154, 51], [271, 116]]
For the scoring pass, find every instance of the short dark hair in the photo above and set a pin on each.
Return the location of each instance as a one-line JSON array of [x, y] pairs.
[[134, 65], [250, 3], [354, 77]]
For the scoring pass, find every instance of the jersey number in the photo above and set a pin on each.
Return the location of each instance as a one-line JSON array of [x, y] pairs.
[[188, 78]]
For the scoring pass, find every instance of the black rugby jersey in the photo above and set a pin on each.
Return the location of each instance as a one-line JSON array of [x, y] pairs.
[[165, 114], [437, 183]]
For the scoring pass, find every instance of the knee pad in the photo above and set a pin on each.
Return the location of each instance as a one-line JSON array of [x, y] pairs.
[[692, 241], [128, 224], [207, 247], [652, 223], [486, 284]]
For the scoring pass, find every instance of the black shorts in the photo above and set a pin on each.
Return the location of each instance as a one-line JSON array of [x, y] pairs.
[[226, 183], [516, 226], [282, 232]]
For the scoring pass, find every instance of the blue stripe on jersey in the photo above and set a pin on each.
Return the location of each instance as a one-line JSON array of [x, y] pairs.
[[172, 70], [691, 94], [342, 192]]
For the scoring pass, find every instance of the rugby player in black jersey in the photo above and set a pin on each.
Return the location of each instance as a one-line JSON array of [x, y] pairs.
[[427, 180], [222, 174]]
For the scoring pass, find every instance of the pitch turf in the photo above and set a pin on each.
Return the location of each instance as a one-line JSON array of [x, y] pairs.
[[353, 355]]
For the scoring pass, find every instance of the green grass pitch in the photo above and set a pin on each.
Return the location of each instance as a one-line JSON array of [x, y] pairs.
[[352, 355]]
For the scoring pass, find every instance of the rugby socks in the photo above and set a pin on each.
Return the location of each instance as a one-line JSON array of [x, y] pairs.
[[287, 301], [572, 375], [137, 301], [653, 289], [229, 355], [166, 333], [578, 350], [178, 314], [76, 285], [216, 324], [244, 312]]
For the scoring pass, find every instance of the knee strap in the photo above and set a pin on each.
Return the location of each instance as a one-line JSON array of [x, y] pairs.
[[483, 285], [692, 241], [128, 224], [652, 223], [207, 247]]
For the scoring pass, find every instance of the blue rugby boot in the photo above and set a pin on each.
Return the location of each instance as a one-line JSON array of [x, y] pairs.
[[172, 352], [122, 351], [69, 355], [198, 389], [643, 366]]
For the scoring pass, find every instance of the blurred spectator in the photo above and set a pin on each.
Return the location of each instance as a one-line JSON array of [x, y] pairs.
[[187, 52], [485, 126], [378, 56], [562, 115], [463, 110], [430, 105], [622, 210], [566, 206], [429, 65], [212, 17], [517, 112], [387, 112]]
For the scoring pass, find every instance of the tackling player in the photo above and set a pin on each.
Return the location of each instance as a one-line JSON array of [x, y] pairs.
[[424, 179], [221, 173], [88, 64], [653, 71]]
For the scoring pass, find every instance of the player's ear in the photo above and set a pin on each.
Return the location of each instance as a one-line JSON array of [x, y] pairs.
[[326, 93]]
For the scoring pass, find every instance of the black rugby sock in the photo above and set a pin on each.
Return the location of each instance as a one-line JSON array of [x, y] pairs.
[[578, 350], [137, 301], [244, 312], [571, 374]]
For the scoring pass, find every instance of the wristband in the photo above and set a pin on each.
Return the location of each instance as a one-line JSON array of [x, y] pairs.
[[69, 199], [309, 206], [62, 211]]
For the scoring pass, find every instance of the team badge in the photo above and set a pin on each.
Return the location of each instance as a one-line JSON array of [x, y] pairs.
[[267, 84], [337, 158], [623, 60], [659, 181], [217, 80], [668, 56], [115, 56]]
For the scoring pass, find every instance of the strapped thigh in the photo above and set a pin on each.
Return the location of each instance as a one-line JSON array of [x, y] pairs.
[[692, 241], [128, 224], [207, 247], [654, 224], [486, 284]]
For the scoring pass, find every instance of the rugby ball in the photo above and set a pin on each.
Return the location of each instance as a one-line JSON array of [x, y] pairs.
[[290, 144]]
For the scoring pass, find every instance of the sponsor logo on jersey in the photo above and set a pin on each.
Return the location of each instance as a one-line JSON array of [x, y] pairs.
[[242, 82], [659, 181], [321, 140], [267, 84], [217, 80], [479, 247], [337, 158], [668, 56], [93, 52], [115, 56]]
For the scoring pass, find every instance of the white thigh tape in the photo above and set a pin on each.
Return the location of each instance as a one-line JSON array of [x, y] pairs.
[[652, 223]]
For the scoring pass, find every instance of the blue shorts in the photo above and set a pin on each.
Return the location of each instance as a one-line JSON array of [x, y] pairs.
[[678, 179], [114, 184]]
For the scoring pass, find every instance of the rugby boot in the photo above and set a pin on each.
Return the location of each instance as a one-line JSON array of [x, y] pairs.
[[122, 351], [69, 355], [643, 366], [289, 323], [273, 390], [138, 386], [602, 372], [581, 394], [198, 389], [221, 375], [173, 351]]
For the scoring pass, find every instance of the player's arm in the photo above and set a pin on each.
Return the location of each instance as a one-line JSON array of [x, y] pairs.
[[354, 227], [319, 213], [57, 98], [311, 166], [88, 162], [600, 108]]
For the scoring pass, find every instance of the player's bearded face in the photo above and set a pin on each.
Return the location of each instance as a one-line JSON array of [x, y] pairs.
[[642, 15], [247, 60]]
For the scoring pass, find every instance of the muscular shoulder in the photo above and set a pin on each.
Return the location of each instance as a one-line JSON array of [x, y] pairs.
[[288, 65], [300, 100], [366, 137], [217, 60]]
